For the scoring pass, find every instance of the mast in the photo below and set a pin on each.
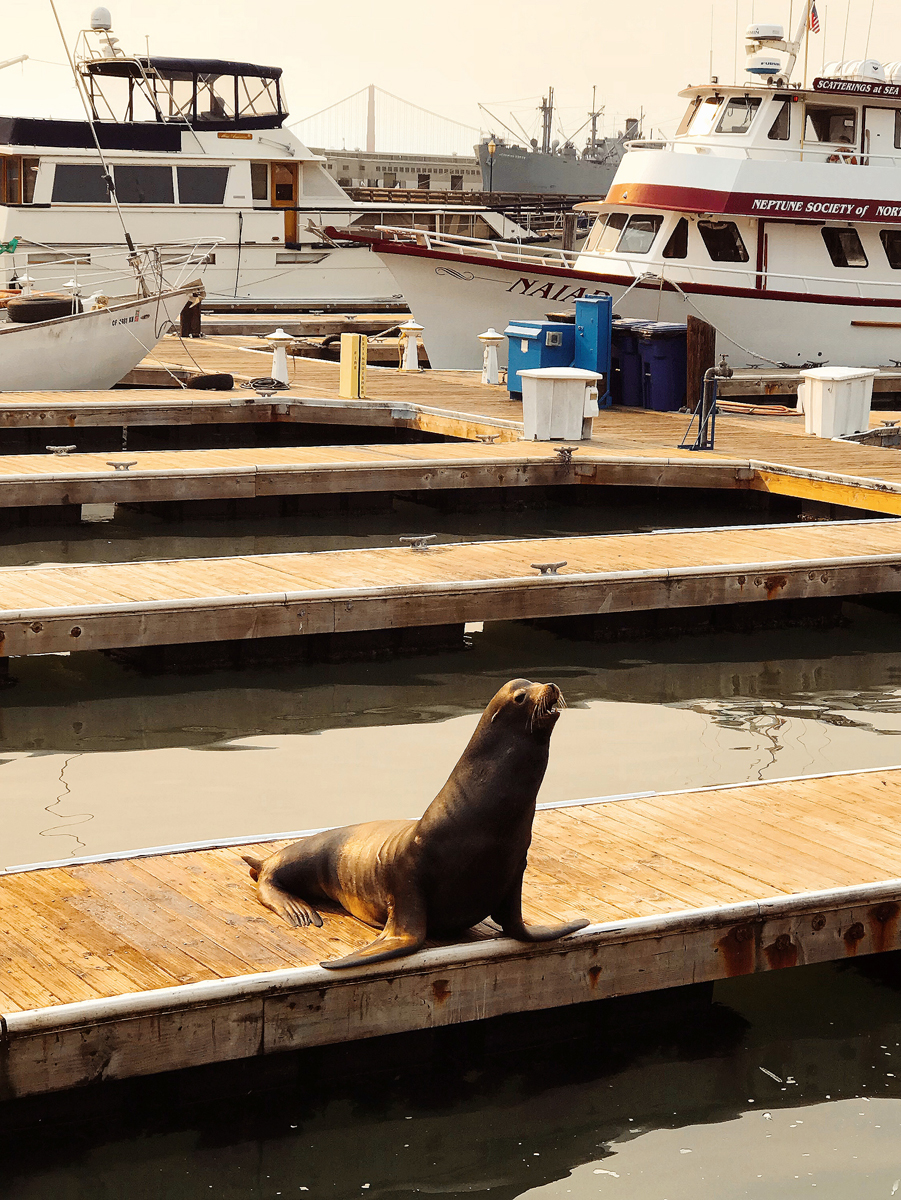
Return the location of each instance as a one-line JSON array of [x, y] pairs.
[[594, 120], [547, 121]]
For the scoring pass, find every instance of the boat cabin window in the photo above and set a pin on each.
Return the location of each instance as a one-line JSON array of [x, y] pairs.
[[639, 233], [891, 241], [723, 241], [75, 183], [259, 180], [144, 185], [605, 235], [202, 185], [677, 246], [463, 225], [738, 114], [826, 123], [17, 179], [844, 246], [781, 128], [705, 115]]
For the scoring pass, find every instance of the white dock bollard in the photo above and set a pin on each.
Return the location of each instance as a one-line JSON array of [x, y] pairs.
[[352, 372], [279, 341], [490, 339], [410, 333]]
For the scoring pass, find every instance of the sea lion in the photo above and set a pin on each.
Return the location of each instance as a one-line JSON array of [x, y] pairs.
[[461, 862]]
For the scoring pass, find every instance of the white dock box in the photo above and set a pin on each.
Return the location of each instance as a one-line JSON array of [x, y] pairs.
[[558, 402], [836, 400]]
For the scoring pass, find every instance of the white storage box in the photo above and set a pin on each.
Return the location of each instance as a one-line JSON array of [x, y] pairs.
[[558, 402], [836, 400]]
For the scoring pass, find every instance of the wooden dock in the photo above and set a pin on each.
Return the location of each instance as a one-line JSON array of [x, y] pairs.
[[239, 473], [136, 964], [53, 609]]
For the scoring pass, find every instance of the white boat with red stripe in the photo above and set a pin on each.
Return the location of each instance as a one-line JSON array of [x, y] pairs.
[[774, 214]]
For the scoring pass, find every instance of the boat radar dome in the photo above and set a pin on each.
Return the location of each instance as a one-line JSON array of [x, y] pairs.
[[765, 33], [101, 20], [764, 64]]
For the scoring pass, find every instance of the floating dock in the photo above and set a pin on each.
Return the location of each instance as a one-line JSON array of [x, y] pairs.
[[107, 606], [157, 960]]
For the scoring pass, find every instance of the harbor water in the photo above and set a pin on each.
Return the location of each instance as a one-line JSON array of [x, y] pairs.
[[781, 1086]]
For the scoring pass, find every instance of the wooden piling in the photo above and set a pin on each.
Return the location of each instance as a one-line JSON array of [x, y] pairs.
[[701, 357]]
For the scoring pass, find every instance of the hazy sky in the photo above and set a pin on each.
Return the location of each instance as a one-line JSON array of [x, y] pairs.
[[449, 56]]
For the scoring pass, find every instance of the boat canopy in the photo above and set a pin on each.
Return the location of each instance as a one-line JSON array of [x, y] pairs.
[[178, 68], [211, 93]]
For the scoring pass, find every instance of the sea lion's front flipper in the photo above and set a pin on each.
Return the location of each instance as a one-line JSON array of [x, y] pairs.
[[294, 910], [508, 915], [403, 934]]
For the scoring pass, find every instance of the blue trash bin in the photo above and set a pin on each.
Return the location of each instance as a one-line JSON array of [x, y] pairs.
[[594, 317], [625, 365], [663, 347], [533, 344]]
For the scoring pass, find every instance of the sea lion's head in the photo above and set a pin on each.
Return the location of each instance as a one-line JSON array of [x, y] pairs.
[[532, 707]]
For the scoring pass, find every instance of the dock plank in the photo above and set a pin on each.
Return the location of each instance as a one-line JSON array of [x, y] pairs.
[[162, 601], [684, 881]]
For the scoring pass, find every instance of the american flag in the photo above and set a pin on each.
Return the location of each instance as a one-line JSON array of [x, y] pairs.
[[814, 19]]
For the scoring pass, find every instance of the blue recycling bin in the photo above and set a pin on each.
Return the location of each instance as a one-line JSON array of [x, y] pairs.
[[534, 344], [663, 348], [594, 319], [625, 364]]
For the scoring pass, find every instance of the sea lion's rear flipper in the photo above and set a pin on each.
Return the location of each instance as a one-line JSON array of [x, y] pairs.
[[255, 865], [508, 915], [403, 934], [294, 910]]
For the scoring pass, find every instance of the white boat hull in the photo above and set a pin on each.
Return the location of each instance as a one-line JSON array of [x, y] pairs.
[[88, 351], [456, 298]]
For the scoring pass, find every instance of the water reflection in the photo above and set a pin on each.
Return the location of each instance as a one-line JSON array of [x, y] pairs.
[[166, 759], [135, 535], [785, 1082]]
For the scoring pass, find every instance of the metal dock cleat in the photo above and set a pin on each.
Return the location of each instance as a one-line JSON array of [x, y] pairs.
[[60, 449], [565, 453], [420, 542], [549, 568], [488, 438], [122, 466]]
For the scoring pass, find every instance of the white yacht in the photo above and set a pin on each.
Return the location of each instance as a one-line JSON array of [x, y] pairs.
[[197, 149], [774, 213]]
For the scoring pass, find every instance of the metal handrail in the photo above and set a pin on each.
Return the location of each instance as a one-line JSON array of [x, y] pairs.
[[570, 259], [809, 152]]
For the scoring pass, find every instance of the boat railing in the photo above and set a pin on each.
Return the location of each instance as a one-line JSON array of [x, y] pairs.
[[495, 248], [746, 278], [650, 273], [831, 152], [104, 268]]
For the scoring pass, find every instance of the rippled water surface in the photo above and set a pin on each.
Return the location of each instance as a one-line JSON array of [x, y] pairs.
[[785, 1087]]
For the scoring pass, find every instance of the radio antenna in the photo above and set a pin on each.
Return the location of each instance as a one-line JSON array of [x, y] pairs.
[[107, 174]]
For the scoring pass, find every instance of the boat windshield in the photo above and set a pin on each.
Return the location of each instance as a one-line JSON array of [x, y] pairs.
[[705, 116], [606, 233], [738, 113]]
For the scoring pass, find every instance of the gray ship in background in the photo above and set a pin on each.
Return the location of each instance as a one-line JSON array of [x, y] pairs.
[[551, 167]]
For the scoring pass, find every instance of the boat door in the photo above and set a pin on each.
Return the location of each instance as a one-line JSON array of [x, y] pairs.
[[283, 191], [879, 149]]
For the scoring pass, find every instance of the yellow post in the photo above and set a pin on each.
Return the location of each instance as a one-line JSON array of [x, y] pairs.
[[352, 380]]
